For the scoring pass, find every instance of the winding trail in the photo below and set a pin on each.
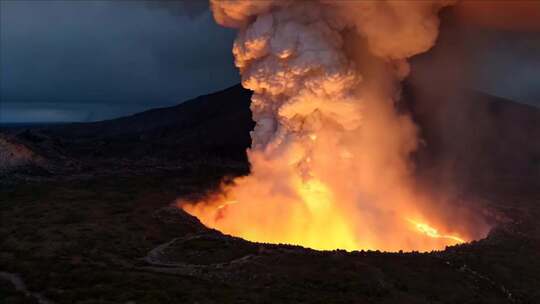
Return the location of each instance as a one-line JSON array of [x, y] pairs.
[[19, 285]]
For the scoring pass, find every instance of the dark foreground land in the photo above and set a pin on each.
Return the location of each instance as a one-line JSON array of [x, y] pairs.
[[86, 215]]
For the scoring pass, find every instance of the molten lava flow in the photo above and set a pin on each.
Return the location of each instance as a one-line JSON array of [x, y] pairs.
[[225, 204], [330, 154], [432, 232]]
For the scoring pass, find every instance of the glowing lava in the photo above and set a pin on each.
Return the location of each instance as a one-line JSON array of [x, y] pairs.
[[434, 233], [313, 219]]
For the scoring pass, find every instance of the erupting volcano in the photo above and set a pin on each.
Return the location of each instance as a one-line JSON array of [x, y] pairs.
[[331, 154]]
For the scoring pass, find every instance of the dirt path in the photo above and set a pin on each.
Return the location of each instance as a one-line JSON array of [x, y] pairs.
[[19, 285]]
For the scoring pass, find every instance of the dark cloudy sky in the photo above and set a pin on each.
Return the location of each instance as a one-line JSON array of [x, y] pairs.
[[85, 60]]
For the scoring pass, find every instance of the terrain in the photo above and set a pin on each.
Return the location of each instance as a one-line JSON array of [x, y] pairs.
[[88, 212]]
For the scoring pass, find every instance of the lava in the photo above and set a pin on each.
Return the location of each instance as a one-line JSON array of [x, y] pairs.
[[434, 233]]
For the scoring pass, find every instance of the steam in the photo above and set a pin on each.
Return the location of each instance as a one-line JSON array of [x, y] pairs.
[[330, 155]]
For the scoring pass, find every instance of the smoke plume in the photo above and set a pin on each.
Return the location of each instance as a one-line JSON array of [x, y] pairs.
[[330, 156]]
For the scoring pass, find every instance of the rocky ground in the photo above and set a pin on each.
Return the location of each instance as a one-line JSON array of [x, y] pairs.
[[117, 239]]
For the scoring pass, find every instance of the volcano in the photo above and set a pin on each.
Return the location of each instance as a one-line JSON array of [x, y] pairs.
[[103, 197]]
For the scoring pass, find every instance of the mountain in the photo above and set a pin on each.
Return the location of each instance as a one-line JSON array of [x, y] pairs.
[[209, 128]]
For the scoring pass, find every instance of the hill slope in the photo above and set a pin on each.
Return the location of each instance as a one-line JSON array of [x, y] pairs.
[[214, 125]]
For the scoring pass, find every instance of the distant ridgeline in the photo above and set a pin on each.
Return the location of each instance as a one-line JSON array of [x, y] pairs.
[[26, 125]]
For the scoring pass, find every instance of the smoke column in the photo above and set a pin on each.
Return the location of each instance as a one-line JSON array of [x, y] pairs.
[[330, 156]]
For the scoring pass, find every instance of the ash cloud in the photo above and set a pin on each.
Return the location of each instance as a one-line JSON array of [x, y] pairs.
[[330, 155]]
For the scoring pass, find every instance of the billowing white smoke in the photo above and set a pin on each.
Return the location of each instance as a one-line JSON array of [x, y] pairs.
[[330, 154]]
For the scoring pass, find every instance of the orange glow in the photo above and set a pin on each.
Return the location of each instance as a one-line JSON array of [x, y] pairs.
[[324, 228], [315, 220]]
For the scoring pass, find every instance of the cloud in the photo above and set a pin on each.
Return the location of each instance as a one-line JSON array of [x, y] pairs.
[[189, 8]]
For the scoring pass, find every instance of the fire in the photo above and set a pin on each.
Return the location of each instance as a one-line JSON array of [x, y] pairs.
[[330, 156]]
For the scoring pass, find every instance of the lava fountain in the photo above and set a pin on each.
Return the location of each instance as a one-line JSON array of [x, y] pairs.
[[330, 155]]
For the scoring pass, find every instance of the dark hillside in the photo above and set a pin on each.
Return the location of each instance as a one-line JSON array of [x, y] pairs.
[[213, 125]]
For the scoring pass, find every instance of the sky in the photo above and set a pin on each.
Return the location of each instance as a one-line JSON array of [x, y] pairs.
[[511, 67], [89, 60]]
